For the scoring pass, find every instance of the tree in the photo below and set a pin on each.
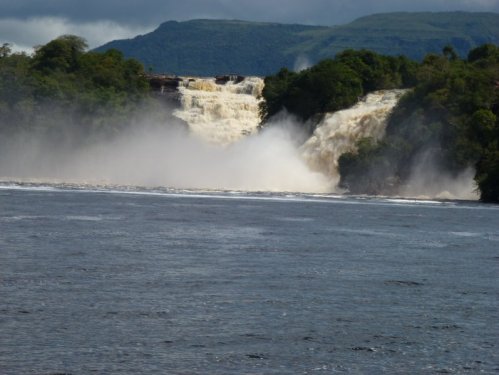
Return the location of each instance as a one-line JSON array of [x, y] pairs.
[[85, 89], [488, 176], [335, 84], [483, 126], [61, 54], [450, 53], [5, 50], [484, 52]]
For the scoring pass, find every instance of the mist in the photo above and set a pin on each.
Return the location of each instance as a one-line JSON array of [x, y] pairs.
[[153, 155], [155, 148], [429, 179], [302, 62]]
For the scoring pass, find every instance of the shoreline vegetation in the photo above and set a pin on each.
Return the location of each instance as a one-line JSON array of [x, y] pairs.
[[451, 112]]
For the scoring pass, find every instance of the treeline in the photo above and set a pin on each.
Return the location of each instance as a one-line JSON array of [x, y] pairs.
[[451, 114], [334, 84], [62, 82]]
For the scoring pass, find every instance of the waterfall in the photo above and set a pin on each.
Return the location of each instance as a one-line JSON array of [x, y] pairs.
[[220, 113], [339, 131], [224, 114]]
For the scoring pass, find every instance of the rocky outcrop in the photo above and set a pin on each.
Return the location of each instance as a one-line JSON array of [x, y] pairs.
[[223, 79], [164, 84]]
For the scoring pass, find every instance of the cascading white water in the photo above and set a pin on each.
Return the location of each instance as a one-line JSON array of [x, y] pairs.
[[221, 113], [225, 113], [339, 131]]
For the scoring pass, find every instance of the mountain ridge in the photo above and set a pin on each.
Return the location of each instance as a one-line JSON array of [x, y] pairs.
[[206, 47]]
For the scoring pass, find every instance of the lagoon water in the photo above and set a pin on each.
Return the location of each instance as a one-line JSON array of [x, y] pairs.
[[132, 281]]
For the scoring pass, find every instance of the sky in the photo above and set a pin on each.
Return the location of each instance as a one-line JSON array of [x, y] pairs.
[[28, 23]]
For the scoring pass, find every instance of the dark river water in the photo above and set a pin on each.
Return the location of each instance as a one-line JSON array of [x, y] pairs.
[[162, 282]]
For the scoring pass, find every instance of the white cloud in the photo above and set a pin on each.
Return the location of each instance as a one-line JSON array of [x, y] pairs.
[[25, 34]]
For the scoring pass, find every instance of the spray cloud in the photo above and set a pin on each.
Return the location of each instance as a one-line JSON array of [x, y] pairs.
[[428, 179], [302, 62], [159, 155]]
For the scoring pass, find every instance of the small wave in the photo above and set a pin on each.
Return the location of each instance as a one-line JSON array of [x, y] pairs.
[[84, 218], [290, 196], [466, 234], [366, 232], [295, 219], [413, 201], [27, 187], [20, 218]]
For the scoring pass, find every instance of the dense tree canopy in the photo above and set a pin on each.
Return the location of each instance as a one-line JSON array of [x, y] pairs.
[[62, 80], [334, 84]]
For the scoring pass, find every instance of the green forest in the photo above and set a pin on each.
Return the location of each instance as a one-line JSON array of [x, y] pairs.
[[452, 110], [334, 84], [62, 85]]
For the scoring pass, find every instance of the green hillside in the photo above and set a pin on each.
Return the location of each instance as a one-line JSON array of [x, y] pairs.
[[210, 47], [413, 34]]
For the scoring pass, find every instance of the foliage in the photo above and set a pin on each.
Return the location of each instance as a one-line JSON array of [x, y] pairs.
[[378, 71], [60, 55], [62, 80], [335, 84], [452, 111]]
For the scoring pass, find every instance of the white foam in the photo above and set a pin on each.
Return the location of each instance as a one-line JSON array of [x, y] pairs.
[[339, 132]]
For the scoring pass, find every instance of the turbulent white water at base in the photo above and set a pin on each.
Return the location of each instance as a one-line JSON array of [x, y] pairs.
[[427, 180], [339, 131], [221, 113], [158, 156]]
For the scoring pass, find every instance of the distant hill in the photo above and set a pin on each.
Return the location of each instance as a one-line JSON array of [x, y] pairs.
[[210, 47]]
